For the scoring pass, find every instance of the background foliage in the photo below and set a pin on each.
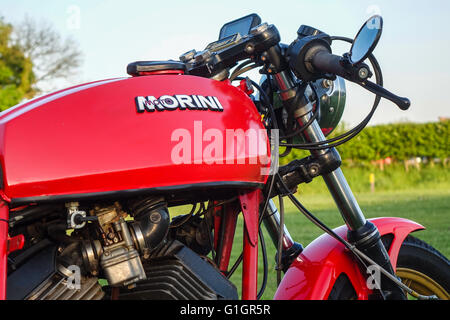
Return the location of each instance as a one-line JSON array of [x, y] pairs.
[[399, 141], [16, 75], [32, 56]]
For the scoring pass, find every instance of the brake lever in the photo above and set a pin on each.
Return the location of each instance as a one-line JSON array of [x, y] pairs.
[[402, 102]]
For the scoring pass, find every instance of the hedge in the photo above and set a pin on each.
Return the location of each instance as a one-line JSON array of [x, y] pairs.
[[398, 141]]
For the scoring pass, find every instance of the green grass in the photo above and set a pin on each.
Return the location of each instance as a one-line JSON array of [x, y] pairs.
[[392, 178], [422, 196]]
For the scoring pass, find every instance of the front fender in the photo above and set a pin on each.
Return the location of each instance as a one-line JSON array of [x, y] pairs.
[[313, 274]]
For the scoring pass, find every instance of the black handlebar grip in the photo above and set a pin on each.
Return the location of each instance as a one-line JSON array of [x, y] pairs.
[[327, 62]]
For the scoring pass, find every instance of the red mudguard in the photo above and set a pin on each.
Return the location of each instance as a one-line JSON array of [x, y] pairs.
[[313, 274]]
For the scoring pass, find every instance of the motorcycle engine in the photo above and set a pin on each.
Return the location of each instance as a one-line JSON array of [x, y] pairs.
[[135, 255]]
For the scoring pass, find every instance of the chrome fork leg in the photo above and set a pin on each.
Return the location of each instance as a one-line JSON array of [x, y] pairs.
[[272, 224], [362, 233], [335, 181]]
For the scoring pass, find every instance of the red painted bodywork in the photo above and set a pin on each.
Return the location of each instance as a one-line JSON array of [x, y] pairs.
[[90, 138], [228, 219], [4, 216], [313, 274], [250, 207]]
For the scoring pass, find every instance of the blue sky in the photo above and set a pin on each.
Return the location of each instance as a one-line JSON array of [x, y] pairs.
[[413, 52]]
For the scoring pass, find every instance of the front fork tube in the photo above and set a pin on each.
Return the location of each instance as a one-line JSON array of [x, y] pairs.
[[272, 223], [335, 180], [362, 233]]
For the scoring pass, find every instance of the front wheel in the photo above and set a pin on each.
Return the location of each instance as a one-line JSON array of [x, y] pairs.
[[421, 267]]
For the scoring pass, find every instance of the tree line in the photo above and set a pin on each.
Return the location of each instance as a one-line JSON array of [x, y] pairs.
[[32, 54]]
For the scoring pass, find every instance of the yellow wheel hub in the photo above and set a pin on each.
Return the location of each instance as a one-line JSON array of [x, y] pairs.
[[421, 283]]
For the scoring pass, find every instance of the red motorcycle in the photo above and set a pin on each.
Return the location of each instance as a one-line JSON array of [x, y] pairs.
[[88, 175]]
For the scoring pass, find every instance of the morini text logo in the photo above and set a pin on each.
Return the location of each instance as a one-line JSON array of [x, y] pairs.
[[179, 101]]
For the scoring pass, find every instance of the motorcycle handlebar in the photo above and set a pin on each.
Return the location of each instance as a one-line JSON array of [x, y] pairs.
[[327, 62]]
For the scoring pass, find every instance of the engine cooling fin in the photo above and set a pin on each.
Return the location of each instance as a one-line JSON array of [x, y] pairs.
[[175, 272], [42, 278], [56, 288]]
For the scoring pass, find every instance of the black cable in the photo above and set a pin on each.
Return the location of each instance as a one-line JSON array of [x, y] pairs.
[[349, 136], [186, 219], [310, 121], [211, 241], [280, 239], [317, 222], [243, 70], [235, 265], [265, 265], [357, 129], [239, 67], [264, 254], [326, 144]]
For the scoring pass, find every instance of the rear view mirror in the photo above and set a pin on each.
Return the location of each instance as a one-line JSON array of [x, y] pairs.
[[366, 40]]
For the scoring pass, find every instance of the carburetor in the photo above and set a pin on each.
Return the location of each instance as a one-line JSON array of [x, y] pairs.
[[119, 259], [118, 253]]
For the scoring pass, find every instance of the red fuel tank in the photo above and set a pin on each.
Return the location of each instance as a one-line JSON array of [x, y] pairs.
[[158, 132]]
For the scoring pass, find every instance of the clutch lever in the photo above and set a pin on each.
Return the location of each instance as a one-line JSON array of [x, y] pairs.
[[322, 60], [402, 102]]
